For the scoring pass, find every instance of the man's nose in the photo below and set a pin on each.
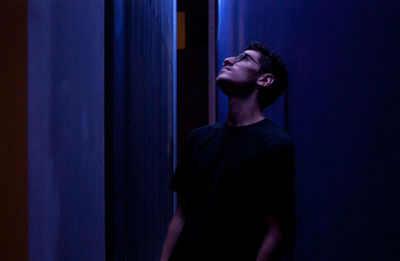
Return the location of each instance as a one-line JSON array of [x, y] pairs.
[[229, 60]]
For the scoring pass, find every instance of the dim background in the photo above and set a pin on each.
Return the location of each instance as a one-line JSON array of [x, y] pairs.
[[97, 99]]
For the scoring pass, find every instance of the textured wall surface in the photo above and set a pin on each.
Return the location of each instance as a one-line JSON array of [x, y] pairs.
[[142, 111], [66, 130], [343, 104]]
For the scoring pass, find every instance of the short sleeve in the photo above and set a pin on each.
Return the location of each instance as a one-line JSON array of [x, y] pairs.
[[279, 183], [181, 180]]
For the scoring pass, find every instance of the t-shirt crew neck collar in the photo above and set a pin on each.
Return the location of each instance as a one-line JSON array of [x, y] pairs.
[[245, 127]]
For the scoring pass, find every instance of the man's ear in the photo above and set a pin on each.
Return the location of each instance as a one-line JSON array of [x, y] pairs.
[[265, 79]]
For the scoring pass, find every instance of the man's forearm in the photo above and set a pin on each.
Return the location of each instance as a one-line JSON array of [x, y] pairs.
[[269, 247], [173, 232]]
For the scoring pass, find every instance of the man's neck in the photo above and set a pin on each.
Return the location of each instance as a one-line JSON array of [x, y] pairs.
[[243, 111]]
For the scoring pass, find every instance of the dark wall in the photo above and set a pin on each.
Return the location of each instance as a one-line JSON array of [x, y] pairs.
[[66, 130], [192, 91], [192, 70], [13, 116], [343, 104], [343, 108]]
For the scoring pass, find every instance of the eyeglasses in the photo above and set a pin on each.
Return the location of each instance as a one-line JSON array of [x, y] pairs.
[[242, 56]]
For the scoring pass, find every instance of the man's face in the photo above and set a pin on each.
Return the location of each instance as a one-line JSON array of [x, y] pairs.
[[239, 76]]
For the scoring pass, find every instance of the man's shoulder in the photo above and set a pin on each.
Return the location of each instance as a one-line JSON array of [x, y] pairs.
[[267, 132], [206, 129], [274, 133], [202, 133]]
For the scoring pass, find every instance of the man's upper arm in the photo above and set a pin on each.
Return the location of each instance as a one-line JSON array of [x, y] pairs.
[[280, 172], [280, 209], [181, 180], [182, 206]]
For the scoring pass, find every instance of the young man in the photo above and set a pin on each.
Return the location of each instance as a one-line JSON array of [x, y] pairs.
[[235, 179]]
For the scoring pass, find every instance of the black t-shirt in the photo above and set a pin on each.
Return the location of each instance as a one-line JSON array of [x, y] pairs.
[[233, 178]]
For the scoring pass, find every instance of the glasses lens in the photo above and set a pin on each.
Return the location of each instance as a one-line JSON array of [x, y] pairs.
[[239, 57]]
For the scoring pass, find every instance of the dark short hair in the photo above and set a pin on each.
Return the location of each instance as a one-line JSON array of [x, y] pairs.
[[270, 62]]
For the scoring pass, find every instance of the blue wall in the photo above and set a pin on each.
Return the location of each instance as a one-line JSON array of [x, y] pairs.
[[343, 104], [66, 130], [142, 127]]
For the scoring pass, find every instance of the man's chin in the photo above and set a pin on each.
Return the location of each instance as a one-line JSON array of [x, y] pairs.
[[221, 83], [221, 80], [227, 87], [231, 89]]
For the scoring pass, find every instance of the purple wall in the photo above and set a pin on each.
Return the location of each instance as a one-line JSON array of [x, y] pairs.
[[66, 130], [343, 104]]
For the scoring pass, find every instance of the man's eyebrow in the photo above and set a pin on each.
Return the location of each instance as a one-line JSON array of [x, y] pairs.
[[251, 57]]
